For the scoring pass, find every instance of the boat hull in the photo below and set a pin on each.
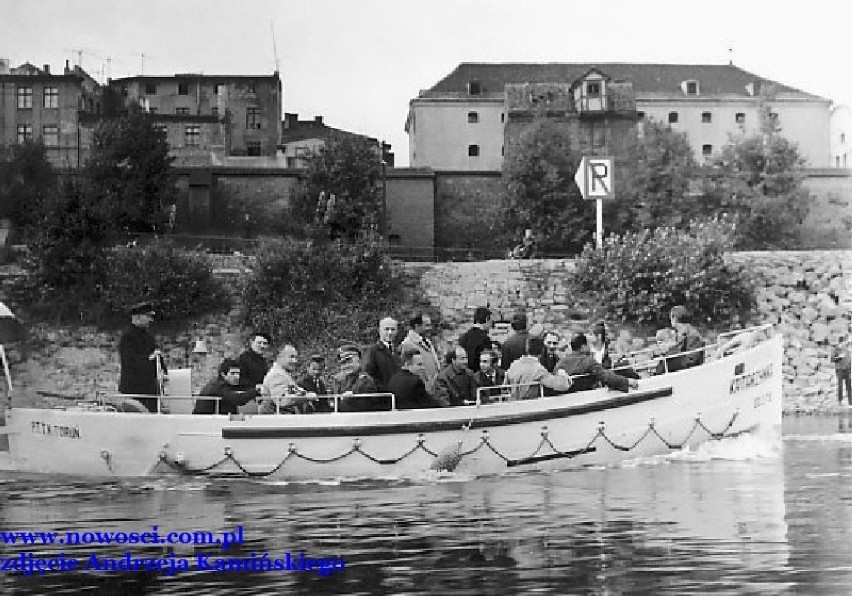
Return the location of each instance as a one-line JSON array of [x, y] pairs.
[[725, 397]]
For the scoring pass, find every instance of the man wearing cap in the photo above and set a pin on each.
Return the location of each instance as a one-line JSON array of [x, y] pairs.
[[139, 357], [515, 345], [352, 380], [379, 359], [475, 340], [420, 328]]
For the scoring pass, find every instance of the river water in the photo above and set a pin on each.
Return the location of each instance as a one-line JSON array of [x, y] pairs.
[[737, 517]]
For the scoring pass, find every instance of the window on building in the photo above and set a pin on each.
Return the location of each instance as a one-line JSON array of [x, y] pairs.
[[503, 150], [51, 97], [50, 136], [502, 117], [640, 115], [474, 88], [215, 111], [773, 116], [150, 88], [473, 150], [193, 136], [152, 110], [217, 88], [394, 239], [706, 117], [182, 111], [672, 117], [25, 133], [706, 150], [291, 162], [252, 117], [692, 87], [472, 117], [253, 148], [593, 88], [162, 128], [252, 87], [183, 88], [25, 98], [739, 118], [844, 160], [842, 137]]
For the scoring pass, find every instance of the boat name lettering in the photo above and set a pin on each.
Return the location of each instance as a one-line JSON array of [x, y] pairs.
[[743, 382], [43, 428]]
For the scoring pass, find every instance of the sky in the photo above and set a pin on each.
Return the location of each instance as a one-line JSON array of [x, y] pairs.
[[358, 63]]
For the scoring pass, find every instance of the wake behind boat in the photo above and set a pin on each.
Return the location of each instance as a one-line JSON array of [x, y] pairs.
[[737, 390]]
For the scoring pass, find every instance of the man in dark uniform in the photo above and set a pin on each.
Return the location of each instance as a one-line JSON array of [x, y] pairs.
[[139, 356], [253, 362]]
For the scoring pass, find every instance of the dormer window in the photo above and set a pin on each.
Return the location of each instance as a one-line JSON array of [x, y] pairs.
[[474, 88], [593, 89], [690, 87]]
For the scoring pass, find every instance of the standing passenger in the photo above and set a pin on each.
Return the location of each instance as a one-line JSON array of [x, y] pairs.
[[253, 362], [515, 345], [475, 340], [418, 338], [379, 360], [139, 357]]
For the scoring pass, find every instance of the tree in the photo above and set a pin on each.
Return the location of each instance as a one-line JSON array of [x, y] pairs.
[[27, 180], [129, 174], [758, 179], [652, 182], [540, 192], [342, 195]]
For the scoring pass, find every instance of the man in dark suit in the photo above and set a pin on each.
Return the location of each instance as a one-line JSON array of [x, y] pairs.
[[379, 359], [226, 386], [490, 377], [515, 346], [407, 386], [475, 340], [139, 357], [313, 382], [253, 362], [587, 372]]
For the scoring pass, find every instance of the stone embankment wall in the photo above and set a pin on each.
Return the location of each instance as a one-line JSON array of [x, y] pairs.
[[796, 290]]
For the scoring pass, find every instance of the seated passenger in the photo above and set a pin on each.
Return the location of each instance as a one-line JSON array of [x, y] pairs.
[[687, 340], [588, 372], [407, 383], [279, 386], [351, 380], [312, 382], [527, 375], [456, 383], [490, 377], [225, 386]]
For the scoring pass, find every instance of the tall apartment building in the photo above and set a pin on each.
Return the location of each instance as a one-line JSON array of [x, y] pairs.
[[58, 109], [204, 114], [459, 124]]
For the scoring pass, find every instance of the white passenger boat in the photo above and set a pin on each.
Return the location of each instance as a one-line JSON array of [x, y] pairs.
[[725, 396]]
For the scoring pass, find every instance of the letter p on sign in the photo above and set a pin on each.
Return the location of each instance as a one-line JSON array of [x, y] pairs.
[[594, 178]]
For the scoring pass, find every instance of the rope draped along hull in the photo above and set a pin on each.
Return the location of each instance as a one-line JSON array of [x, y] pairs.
[[725, 397]]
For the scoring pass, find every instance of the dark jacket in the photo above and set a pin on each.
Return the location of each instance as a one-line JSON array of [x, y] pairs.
[[380, 363], [317, 385], [138, 372], [549, 361], [513, 348], [253, 367], [688, 340], [410, 392], [357, 382], [577, 363], [455, 386], [497, 377], [474, 341], [231, 398]]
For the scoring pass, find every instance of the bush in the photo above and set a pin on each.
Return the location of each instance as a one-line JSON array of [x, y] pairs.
[[178, 284], [318, 294], [639, 277]]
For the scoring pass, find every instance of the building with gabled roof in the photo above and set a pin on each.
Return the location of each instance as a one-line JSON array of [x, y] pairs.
[[458, 124], [300, 138]]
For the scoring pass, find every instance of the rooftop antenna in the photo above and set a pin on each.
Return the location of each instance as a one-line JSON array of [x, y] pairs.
[[730, 56], [142, 67], [274, 47]]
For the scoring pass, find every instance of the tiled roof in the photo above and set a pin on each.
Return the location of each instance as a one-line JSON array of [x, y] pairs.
[[646, 78]]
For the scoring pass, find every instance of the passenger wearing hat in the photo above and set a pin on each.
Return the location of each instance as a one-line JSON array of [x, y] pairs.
[[139, 357], [352, 380], [475, 340], [515, 345]]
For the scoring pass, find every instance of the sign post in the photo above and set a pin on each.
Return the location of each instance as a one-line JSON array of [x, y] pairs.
[[594, 178]]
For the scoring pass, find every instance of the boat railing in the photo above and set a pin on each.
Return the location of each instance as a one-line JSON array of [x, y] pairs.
[[336, 397]]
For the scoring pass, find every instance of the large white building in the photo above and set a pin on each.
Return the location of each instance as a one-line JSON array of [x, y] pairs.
[[841, 137], [458, 124]]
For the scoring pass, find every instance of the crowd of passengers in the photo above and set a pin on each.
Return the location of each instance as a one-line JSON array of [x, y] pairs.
[[530, 363]]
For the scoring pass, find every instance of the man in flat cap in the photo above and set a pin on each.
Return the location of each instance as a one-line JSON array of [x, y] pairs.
[[139, 357]]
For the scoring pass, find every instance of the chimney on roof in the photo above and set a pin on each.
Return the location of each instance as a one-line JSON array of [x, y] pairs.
[[67, 67], [318, 119], [47, 69], [290, 119]]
